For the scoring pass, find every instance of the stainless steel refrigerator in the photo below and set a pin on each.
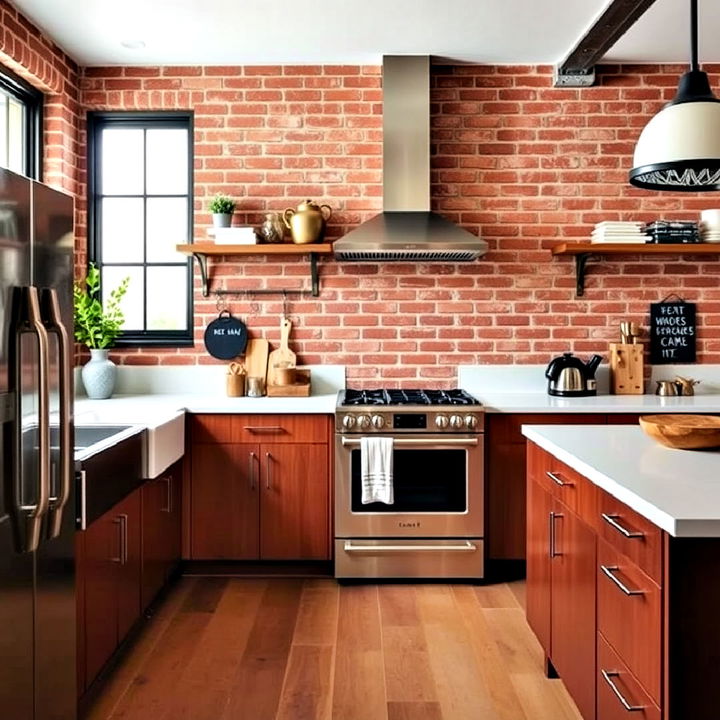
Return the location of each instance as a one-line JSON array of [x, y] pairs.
[[37, 503]]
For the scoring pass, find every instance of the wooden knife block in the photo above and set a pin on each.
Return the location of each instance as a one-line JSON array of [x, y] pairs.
[[626, 369]]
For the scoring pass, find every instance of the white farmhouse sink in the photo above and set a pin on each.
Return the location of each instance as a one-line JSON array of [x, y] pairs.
[[164, 438]]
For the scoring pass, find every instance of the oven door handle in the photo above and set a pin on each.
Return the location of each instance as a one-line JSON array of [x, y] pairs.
[[467, 546], [473, 442]]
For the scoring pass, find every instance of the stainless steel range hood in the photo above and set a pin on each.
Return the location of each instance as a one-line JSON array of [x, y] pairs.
[[406, 229]]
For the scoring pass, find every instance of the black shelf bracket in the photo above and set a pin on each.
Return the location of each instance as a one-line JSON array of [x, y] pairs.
[[202, 261], [580, 263]]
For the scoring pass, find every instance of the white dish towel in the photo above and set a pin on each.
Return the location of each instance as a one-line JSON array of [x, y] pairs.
[[376, 469]]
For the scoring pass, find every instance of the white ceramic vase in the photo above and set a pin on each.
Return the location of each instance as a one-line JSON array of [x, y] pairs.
[[98, 375]]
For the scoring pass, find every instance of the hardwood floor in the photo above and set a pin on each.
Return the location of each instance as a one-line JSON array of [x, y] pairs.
[[273, 649]]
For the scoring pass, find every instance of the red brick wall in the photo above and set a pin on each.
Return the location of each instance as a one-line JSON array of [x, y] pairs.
[[522, 162], [30, 54]]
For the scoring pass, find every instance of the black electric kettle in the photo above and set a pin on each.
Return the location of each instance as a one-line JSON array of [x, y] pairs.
[[569, 376]]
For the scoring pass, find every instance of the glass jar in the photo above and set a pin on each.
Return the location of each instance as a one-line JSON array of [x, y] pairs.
[[272, 230]]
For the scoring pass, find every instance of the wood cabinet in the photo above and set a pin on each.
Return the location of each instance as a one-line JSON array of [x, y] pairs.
[[609, 590], [540, 507], [505, 475], [561, 569], [629, 616], [572, 606], [619, 694], [123, 560], [109, 551], [161, 529], [260, 487], [225, 501], [294, 502]]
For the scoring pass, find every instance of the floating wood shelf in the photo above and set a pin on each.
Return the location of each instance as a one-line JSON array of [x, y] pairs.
[[202, 250], [583, 251]]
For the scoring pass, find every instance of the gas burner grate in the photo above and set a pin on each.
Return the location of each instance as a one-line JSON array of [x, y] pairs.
[[408, 397], [365, 397]]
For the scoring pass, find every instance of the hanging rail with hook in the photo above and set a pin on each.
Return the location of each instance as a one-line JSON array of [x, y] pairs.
[[201, 252]]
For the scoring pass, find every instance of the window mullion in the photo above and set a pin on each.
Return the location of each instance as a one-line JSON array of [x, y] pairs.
[[143, 262]]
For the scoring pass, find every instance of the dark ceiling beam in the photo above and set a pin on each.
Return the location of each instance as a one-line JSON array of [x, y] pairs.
[[578, 67]]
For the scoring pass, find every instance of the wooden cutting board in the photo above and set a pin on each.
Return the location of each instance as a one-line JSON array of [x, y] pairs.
[[256, 357], [283, 355]]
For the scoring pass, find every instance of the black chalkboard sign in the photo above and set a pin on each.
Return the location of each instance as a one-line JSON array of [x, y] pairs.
[[672, 332], [226, 337]]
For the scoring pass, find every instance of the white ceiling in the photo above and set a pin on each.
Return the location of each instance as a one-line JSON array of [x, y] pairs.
[[219, 32]]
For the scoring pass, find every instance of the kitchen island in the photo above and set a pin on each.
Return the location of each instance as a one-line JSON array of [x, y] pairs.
[[623, 546]]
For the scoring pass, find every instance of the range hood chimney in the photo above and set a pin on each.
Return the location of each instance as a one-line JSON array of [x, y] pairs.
[[406, 229]]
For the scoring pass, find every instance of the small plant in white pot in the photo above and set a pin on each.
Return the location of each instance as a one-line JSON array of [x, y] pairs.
[[97, 327], [222, 208]]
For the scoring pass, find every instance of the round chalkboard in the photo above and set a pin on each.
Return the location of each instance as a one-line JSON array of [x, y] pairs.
[[226, 337]]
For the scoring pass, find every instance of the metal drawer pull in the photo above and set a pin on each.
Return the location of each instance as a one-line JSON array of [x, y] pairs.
[[608, 676], [121, 521], [612, 521], [465, 547], [556, 479], [265, 429], [268, 466], [430, 442], [610, 571], [251, 470], [553, 552]]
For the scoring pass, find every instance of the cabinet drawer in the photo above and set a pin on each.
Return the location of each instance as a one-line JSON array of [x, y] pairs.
[[563, 483], [211, 428], [629, 615], [280, 428], [631, 534], [617, 689]]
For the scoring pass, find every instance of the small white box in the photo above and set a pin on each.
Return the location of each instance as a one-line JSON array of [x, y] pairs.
[[233, 235]]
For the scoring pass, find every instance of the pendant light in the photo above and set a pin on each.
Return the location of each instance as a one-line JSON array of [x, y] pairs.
[[679, 149]]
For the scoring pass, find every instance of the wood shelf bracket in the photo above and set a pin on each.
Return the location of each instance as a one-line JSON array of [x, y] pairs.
[[202, 261]]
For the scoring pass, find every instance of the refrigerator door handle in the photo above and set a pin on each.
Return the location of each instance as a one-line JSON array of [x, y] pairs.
[[53, 324], [32, 323]]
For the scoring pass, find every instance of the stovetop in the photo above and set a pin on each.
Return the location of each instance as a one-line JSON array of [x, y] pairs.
[[382, 397]]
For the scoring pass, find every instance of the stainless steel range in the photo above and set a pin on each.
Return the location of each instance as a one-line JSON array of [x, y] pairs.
[[434, 527]]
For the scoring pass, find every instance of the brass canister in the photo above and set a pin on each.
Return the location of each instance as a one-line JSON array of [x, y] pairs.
[[307, 223]]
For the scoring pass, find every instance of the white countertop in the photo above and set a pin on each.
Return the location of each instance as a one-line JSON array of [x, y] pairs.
[[534, 402], [523, 389], [152, 395], [149, 409], [678, 490]]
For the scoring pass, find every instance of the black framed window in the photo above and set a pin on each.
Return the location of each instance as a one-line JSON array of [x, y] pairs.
[[140, 206], [20, 122]]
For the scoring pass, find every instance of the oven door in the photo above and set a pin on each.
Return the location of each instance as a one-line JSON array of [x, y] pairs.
[[437, 483]]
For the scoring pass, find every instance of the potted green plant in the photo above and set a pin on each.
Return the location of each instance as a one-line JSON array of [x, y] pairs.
[[222, 208], [97, 327]]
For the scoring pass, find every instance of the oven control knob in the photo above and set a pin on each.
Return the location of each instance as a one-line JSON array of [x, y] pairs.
[[378, 422], [456, 422], [363, 422], [471, 422], [348, 422], [441, 422]]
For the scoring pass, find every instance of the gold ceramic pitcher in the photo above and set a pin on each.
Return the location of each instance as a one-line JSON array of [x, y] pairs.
[[307, 223]]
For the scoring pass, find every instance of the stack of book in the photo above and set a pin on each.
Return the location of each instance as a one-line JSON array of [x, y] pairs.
[[233, 235], [616, 231], [673, 231]]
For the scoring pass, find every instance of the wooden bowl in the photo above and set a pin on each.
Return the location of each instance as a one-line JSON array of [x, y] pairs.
[[683, 432]]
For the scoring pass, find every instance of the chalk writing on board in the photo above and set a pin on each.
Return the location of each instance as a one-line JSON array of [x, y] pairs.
[[672, 332]]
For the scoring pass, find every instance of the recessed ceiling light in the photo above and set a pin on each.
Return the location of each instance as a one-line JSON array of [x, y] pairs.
[[133, 44]]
